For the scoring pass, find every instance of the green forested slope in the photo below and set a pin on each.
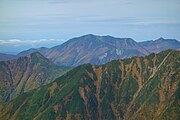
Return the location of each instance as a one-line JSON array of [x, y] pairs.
[[136, 88], [26, 73]]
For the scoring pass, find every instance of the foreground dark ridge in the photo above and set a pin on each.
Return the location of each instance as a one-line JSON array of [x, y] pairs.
[[136, 88]]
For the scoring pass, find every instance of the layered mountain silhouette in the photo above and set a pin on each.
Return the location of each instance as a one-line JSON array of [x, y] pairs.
[[135, 88], [101, 49], [26, 73]]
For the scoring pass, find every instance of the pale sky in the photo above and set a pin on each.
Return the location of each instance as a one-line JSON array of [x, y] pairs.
[[60, 20]]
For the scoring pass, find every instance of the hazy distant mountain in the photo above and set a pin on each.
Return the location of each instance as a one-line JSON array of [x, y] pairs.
[[101, 49], [93, 49], [26, 73], [4, 57], [28, 52], [139, 88], [160, 45]]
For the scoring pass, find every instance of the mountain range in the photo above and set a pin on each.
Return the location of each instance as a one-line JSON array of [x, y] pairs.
[[26, 73], [123, 79], [100, 49], [129, 89]]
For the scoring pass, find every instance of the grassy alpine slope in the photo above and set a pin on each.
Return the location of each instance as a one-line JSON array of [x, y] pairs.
[[136, 88]]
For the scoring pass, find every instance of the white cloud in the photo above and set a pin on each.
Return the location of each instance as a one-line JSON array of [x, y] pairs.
[[17, 42], [14, 46]]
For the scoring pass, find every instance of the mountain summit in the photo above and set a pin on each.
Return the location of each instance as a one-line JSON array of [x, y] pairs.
[[93, 49]]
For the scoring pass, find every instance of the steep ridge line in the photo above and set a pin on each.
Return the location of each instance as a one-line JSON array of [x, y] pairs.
[[136, 94], [150, 78], [19, 108], [11, 82], [98, 72], [159, 65]]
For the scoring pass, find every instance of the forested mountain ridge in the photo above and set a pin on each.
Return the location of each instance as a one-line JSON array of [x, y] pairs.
[[135, 88], [26, 73]]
